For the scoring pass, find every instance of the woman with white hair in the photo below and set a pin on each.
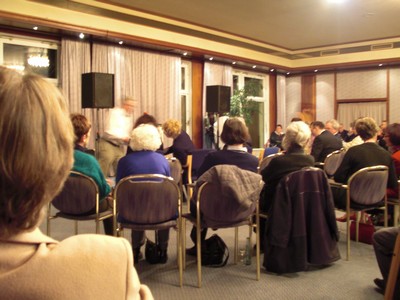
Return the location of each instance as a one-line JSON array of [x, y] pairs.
[[145, 140], [296, 139]]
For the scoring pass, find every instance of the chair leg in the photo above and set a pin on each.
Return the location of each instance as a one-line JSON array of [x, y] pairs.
[[198, 231], [184, 243], [348, 235], [180, 261], [235, 249]]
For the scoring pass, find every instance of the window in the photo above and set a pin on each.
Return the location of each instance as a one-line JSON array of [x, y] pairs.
[[186, 99], [259, 126], [40, 57]]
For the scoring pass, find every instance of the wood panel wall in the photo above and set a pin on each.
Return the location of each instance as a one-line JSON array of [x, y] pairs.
[[308, 97], [197, 98]]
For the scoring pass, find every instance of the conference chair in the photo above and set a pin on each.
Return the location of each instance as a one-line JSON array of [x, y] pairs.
[[333, 161], [266, 160], [176, 173], [365, 190], [226, 197], [79, 196], [150, 202]]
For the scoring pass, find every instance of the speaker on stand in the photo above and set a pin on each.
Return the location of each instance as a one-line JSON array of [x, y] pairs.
[[218, 100], [97, 92]]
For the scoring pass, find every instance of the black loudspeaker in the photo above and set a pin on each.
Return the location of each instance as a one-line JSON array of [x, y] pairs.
[[97, 90], [218, 98]]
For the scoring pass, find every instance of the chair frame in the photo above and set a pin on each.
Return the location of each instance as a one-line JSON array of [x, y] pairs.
[[178, 220], [97, 216], [263, 163], [198, 224], [330, 156], [394, 270], [349, 210]]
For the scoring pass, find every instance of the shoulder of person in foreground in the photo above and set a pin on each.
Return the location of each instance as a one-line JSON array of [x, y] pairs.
[[108, 259]]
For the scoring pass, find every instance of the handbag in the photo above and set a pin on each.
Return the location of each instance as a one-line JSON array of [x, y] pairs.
[[152, 252], [214, 252], [365, 231]]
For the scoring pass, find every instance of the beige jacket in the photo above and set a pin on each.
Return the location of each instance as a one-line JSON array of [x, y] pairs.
[[87, 266]]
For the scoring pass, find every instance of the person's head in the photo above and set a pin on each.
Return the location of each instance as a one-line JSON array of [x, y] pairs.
[[383, 125], [278, 128], [366, 128], [36, 149], [172, 128], [341, 127], [296, 119], [317, 127], [81, 127], [129, 105], [297, 134], [392, 134], [332, 126], [145, 119], [145, 137], [234, 132]]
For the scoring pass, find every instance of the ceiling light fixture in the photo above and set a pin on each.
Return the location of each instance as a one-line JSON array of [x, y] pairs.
[[234, 63], [254, 67], [120, 42], [288, 73], [185, 53], [81, 35], [211, 58], [380, 65], [35, 28], [272, 70], [315, 71]]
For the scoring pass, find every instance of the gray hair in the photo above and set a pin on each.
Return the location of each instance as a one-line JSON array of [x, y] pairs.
[[335, 124], [297, 133], [145, 137]]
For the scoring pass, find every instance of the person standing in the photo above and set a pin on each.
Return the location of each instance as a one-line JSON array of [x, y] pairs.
[[116, 135]]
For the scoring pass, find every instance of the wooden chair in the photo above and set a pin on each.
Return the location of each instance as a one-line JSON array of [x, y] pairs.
[[365, 190], [394, 271], [79, 195], [150, 202], [215, 209]]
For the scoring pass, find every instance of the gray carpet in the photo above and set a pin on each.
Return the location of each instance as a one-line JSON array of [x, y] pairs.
[[342, 280]]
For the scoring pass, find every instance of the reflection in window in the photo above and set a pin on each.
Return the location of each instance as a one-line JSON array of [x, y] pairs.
[[255, 86], [38, 60]]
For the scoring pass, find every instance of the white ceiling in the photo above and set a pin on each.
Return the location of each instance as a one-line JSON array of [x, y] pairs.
[[290, 24]]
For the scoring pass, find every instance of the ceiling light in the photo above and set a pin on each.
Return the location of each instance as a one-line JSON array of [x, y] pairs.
[[35, 28], [380, 65], [38, 60], [288, 73], [81, 35], [234, 63], [211, 58], [272, 70], [120, 42], [185, 53], [254, 66], [315, 71]]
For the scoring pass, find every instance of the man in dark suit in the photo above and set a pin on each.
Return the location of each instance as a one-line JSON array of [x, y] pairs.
[[324, 141]]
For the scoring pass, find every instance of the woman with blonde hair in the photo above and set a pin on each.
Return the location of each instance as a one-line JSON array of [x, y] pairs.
[[36, 155]]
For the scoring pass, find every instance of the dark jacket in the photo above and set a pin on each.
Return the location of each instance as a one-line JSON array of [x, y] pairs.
[[181, 147], [301, 228], [324, 144]]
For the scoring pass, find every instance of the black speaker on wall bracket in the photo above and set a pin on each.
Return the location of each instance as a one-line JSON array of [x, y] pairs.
[[218, 98], [97, 90]]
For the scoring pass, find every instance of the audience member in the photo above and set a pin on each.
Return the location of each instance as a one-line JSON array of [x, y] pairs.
[[146, 119], [384, 241], [276, 137], [36, 157], [116, 135], [88, 165], [365, 155], [333, 127], [234, 135], [145, 140], [343, 132], [324, 142], [296, 138], [381, 135]]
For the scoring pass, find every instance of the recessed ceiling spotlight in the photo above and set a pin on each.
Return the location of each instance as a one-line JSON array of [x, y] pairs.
[[234, 63], [120, 42], [315, 71], [288, 73], [272, 70], [211, 58], [81, 35], [185, 53], [380, 65], [254, 66], [35, 28]]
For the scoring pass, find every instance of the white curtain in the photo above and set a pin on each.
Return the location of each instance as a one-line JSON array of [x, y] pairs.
[[75, 60], [348, 112]]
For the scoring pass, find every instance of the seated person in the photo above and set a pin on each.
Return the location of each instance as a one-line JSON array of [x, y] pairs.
[[37, 156], [324, 141], [234, 135], [145, 140], [392, 139], [384, 241], [182, 145], [296, 138], [88, 165], [276, 137], [357, 157]]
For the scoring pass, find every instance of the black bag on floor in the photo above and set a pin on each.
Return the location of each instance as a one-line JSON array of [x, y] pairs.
[[152, 252], [214, 252]]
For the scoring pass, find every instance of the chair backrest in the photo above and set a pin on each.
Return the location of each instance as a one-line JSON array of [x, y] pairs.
[[333, 161], [368, 185], [266, 160], [227, 194], [147, 199], [78, 196], [176, 169], [270, 150]]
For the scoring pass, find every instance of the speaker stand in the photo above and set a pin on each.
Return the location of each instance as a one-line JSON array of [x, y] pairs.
[[218, 131], [97, 133]]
